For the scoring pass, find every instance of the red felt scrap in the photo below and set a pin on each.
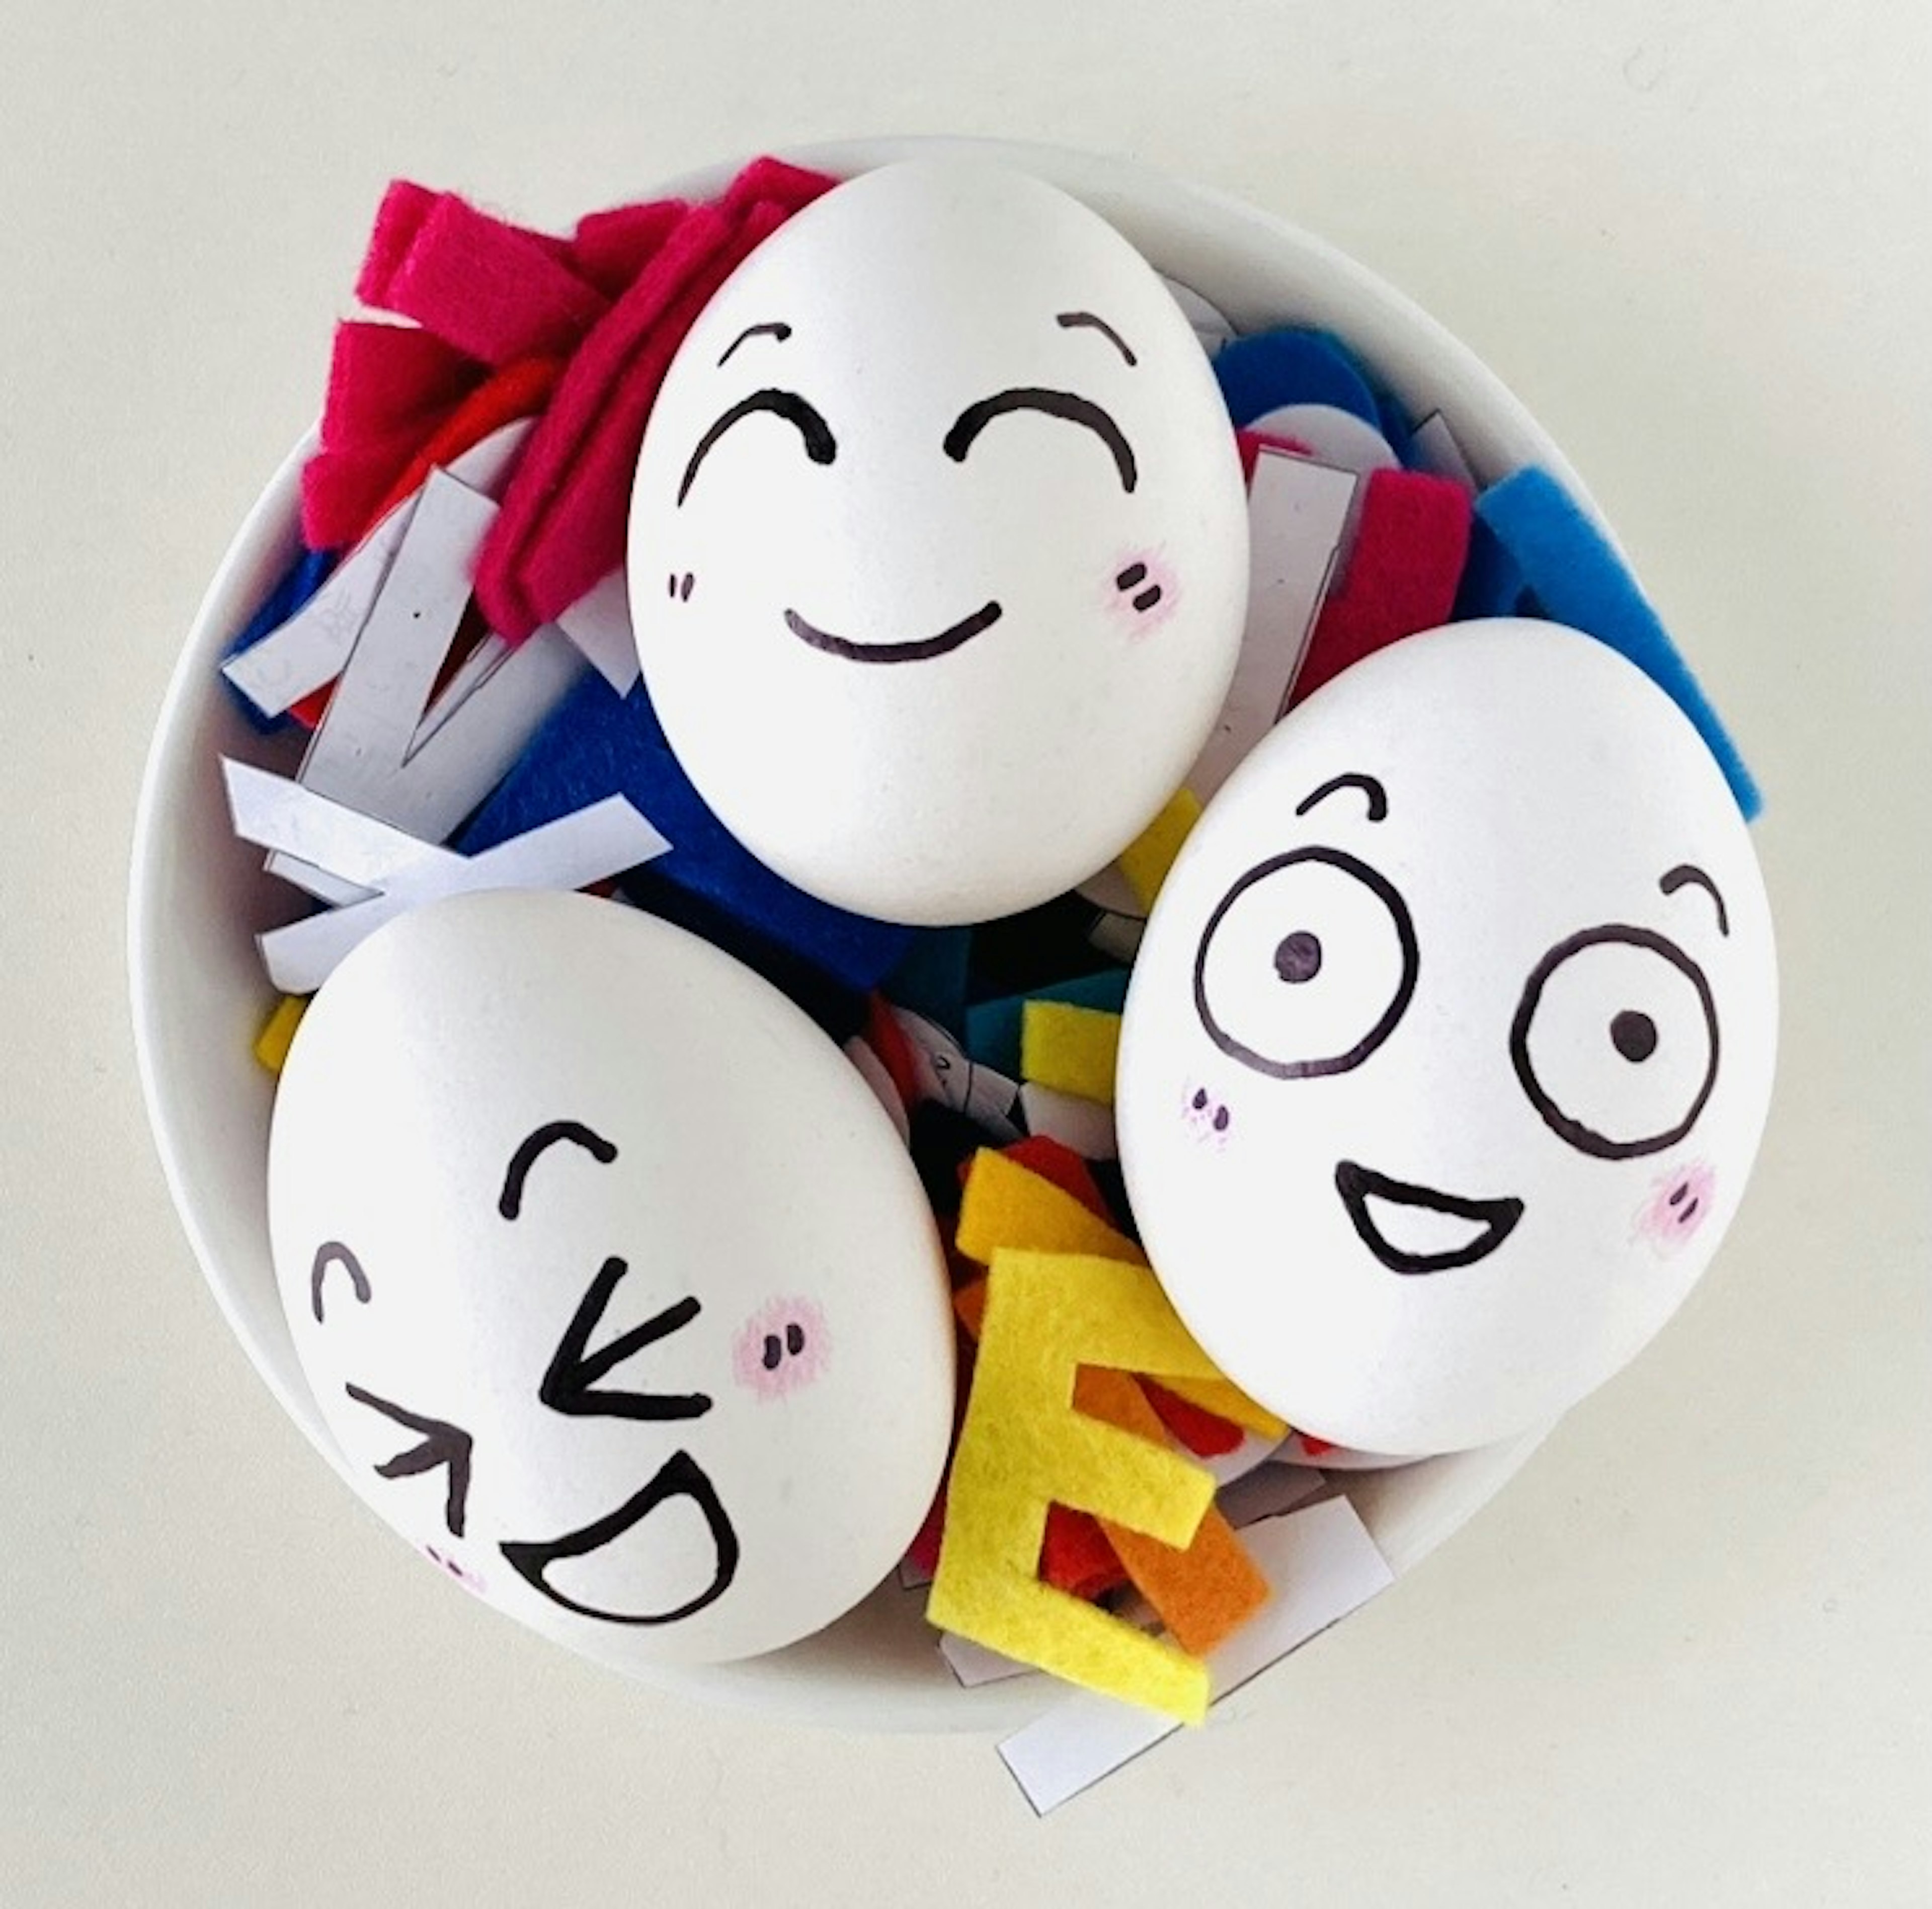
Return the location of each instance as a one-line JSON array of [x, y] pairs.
[[1200, 1431], [1075, 1556], [923, 1551], [1315, 1448], [887, 1039], [1410, 545]]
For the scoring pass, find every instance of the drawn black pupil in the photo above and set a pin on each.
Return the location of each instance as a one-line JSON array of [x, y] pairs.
[[1633, 1035], [773, 1351], [794, 1339], [1298, 957]]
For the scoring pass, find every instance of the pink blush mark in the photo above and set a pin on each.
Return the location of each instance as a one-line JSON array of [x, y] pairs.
[[1679, 1204], [1141, 592], [782, 1346], [1207, 1119], [452, 1567]]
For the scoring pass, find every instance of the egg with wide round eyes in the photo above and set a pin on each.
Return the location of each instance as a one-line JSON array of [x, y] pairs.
[[1450, 1041], [612, 1280], [938, 545]]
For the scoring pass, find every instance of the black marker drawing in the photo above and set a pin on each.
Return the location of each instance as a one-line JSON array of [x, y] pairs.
[[916, 651], [510, 1202], [1068, 321], [1688, 872], [1636, 1043], [681, 1476], [775, 328], [1357, 1184], [573, 1370], [1303, 951], [333, 1253], [819, 444], [1066, 405], [1378, 796], [442, 1444]]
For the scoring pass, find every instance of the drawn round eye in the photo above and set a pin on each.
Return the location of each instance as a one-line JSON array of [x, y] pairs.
[[1615, 1041], [1306, 966]]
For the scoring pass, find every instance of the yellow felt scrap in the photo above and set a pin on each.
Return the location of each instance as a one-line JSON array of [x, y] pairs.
[[1005, 1204], [278, 1032], [1146, 859], [1070, 1048], [1023, 1446]]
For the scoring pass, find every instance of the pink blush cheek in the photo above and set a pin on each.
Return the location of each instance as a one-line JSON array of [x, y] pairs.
[[1140, 592], [781, 1348], [1677, 1205]]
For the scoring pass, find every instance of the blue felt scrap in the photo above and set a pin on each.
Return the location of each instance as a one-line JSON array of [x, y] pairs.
[[931, 978], [287, 595], [993, 1027], [596, 744], [1573, 576], [1292, 366]]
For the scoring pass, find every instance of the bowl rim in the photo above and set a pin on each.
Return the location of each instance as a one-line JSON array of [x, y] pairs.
[[1407, 1527]]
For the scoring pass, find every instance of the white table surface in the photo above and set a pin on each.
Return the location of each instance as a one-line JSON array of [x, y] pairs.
[[1687, 1658]]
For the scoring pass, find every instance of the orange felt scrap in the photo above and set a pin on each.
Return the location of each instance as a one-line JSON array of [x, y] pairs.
[[1205, 1592], [1070, 1048], [1023, 1446]]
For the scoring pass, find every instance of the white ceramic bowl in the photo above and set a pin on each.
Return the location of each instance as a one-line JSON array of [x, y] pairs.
[[197, 896]]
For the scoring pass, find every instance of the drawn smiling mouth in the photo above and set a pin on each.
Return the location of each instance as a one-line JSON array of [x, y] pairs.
[[916, 651], [1433, 1226]]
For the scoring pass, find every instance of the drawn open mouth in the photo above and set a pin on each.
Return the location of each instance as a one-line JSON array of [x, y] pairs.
[[1416, 1229], [968, 628]]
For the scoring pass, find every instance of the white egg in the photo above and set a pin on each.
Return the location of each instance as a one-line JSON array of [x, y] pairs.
[[1450, 1041], [938, 546], [613, 1281]]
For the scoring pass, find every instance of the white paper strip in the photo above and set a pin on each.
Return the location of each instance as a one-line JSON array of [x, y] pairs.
[[1322, 1563], [1434, 447], [1210, 324], [312, 648], [974, 1664], [592, 843], [1297, 514], [1333, 436], [942, 1071], [599, 623], [1267, 1491], [1085, 1125]]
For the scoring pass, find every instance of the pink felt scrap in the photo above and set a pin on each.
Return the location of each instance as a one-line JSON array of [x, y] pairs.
[[1413, 537], [561, 528], [489, 289]]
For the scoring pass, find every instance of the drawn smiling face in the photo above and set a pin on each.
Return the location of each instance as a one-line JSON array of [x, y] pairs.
[[1449, 1043], [605, 1369], [939, 522]]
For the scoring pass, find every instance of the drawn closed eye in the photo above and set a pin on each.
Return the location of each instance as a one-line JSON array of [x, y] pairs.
[[821, 446], [569, 1384], [1067, 405]]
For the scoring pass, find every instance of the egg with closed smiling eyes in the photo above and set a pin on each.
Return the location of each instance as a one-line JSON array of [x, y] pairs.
[[1448, 1047], [938, 545], [611, 1278]]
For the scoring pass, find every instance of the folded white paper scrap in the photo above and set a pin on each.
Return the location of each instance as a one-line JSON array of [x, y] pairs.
[[1322, 1563], [400, 872]]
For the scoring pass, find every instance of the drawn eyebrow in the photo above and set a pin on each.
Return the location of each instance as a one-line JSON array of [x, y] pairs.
[[1069, 321], [1378, 796], [510, 1202], [1688, 875], [333, 1253], [819, 444], [775, 328], [1067, 404]]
